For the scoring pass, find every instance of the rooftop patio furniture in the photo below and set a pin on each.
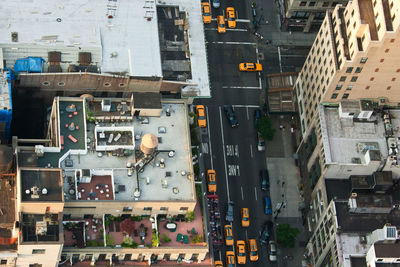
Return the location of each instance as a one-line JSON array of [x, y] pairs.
[[179, 237], [171, 226], [185, 239]]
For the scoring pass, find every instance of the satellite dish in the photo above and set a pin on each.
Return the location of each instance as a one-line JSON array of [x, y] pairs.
[[44, 191]]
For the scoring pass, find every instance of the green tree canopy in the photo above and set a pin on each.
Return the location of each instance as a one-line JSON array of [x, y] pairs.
[[286, 236], [264, 127]]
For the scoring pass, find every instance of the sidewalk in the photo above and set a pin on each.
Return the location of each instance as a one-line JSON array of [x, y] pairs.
[[284, 182]]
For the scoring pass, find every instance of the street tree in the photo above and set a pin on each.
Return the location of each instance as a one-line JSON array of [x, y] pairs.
[[286, 236], [265, 128]]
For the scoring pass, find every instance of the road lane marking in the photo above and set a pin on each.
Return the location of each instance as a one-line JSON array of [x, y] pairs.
[[241, 190], [255, 192], [209, 139], [233, 43], [223, 148], [232, 30], [280, 59], [251, 150], [247, 112], [241, 87], [237, 20], [245, 106]]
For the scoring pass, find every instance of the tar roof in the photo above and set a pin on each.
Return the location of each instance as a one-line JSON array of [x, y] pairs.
[[383, 250], [7, 200], [363, 223], [34, 181], [124, 32]]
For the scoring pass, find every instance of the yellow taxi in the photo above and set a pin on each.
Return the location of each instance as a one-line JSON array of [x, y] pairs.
[[231, 17], [230, 258], [221, 24], [201, 116], [205, 7], [218, 264], [245, 217], [241, 251], [228, 235], [250, 67], [212, 183], [253, 250]]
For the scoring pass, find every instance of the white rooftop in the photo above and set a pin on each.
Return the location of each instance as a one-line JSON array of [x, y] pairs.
[[130, 35], [343, 138], [165, 184]]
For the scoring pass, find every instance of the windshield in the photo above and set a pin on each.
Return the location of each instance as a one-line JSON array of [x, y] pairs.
[[212, 183], [253, 253], [221, 25], [242, 254]]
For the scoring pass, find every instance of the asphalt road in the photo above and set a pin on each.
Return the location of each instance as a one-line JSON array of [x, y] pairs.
[[232, 151]]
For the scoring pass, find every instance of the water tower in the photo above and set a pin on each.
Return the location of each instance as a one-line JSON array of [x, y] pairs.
[[149, 144]]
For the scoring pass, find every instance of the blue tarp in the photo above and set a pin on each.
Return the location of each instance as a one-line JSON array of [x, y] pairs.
[[29, 64]]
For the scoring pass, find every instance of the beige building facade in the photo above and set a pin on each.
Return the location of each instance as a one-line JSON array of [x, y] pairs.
[[306, 15]]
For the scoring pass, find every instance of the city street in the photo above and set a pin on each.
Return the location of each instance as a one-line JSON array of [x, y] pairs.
[[232, 152]]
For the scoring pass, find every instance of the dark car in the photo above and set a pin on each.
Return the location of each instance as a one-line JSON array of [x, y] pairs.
[[230, 115], [264, 179], [268, 206], [267, 232], [257, 116], [229, 212]]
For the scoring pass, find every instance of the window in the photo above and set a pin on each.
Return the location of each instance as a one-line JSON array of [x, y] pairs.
[[334, 96], [387, 50], [164, 208], [325, 4], [183, 208], [339, 86], [358, 69], [147, 208], [371, 79], [349, 69], [88, 216], [379, 260], [367, 87], [349, 87], [363, 59], [388, 88], [35, 265], [393, 79], [127, 209], [377, 69], [343, 78], [354, 78], [303, 3], [38, 251], [312, 3], [334, 4], [3, 262]]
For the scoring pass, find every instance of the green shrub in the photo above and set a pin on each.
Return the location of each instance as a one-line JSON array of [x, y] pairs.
[[196, 239], [110, 242], [165, 238], [155, 239], [189, 216]]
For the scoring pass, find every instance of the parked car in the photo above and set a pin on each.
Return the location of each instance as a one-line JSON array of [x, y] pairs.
[[205, 6], [229, 212], [216, 3], [267, 232], [253, 250], [221, 24], [228, 235], [218, 264], [230, 115], [250, 67], [241, 252], [230, 259], [260, 143], [201, 116], [272, 251], [268, 206], [257, 116], [212, 183], [264, 179], [231, 17]]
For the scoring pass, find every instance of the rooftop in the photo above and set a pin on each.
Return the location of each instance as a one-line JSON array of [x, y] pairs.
[[111, 164], [39, 227], [384, 250], [347, 141], [41, 185], [121, 35], [363, 223]]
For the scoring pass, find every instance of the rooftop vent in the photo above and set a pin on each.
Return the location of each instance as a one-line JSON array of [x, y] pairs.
[[14, 37], [106, 105]]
